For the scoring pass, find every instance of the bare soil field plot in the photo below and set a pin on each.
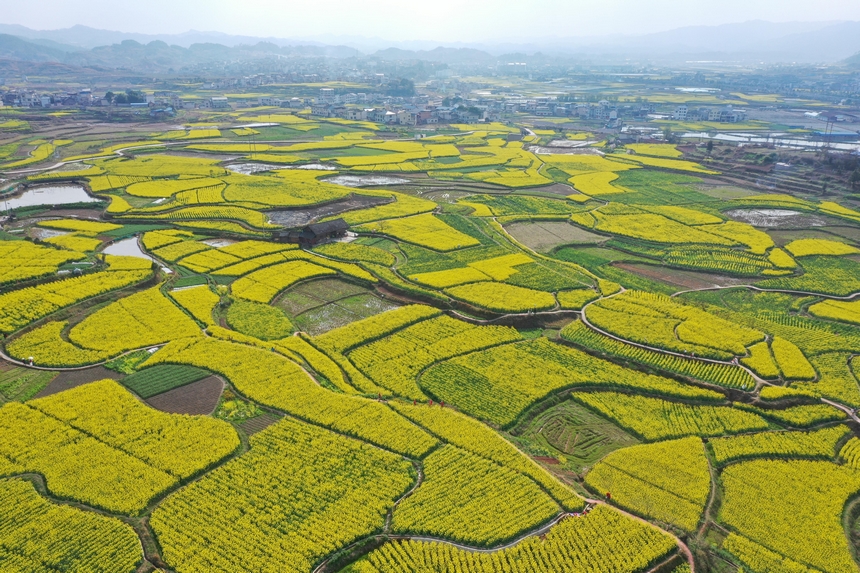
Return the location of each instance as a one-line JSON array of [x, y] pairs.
[[259, 423], [851, 233], [74, 378], [558, 189], [683, 279], [66, 213], [543, 237], [725, 192], [830, 234], [197, 398]]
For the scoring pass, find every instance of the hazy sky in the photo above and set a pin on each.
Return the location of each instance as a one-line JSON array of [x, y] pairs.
[[439, 20]]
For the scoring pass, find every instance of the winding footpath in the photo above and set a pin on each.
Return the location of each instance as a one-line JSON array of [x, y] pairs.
[[849, 297], [759, 381]]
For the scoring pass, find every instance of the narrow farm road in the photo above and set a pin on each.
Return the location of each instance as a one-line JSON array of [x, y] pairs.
[[323, 567], [758, 379], [851, 296], [681, 545]]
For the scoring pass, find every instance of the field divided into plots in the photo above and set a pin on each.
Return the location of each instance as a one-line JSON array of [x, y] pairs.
[[491, 370]]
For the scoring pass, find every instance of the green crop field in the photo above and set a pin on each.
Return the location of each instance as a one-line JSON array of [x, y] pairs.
[[156, 380]]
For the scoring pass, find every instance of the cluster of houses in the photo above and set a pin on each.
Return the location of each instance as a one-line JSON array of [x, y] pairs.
[[467, 110], [388, 110], [400, 115], [726, 114], [30, 98]]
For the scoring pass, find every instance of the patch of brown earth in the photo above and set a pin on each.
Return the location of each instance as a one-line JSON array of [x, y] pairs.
[[74, 378], [198, 398]]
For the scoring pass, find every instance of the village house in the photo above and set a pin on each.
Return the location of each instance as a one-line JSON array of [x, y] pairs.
[[315, 233]]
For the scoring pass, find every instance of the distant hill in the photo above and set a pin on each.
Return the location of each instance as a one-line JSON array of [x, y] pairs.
[[152, 57], [853, 60], [806, 42], [14, 48]]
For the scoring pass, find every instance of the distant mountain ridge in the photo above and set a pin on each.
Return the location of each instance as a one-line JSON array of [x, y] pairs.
[[155, 56], [804, 42]]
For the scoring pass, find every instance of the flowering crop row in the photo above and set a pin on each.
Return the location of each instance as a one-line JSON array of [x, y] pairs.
[[265, 284], [471, 435], [285, 188], [222, 226], [100, 183], [142, 319], [356, 252], [258, 320], [200, 301], [818, 444], [293, 254], [300, 493], [395, 361], [761, 361], [403, 206], [668, 481], [21, 307], [364, 331], [837, 310], [169, 187], [82, 227], [157, 239], [791, 361], [781, 505], [468, 498], [838, 276], [502, 297], [75, 242], [176, 444], [36, 536], [721, 374], [99, 445], [275, 381], [499, 383], [798, 416], [47, 347], [178, 249], [206, 261], [655, 419], [658, 320], [603, 541], [850, 453], [255, 219], [808, 247], [425, 230], [759, 558], [22, 260]]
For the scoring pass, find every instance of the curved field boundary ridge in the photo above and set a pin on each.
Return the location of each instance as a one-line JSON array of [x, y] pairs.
[[542, 530], [851, 412], [759, 381], [851, 296]]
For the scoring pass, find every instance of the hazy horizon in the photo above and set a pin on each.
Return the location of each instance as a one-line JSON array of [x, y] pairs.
[[446, 21]]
